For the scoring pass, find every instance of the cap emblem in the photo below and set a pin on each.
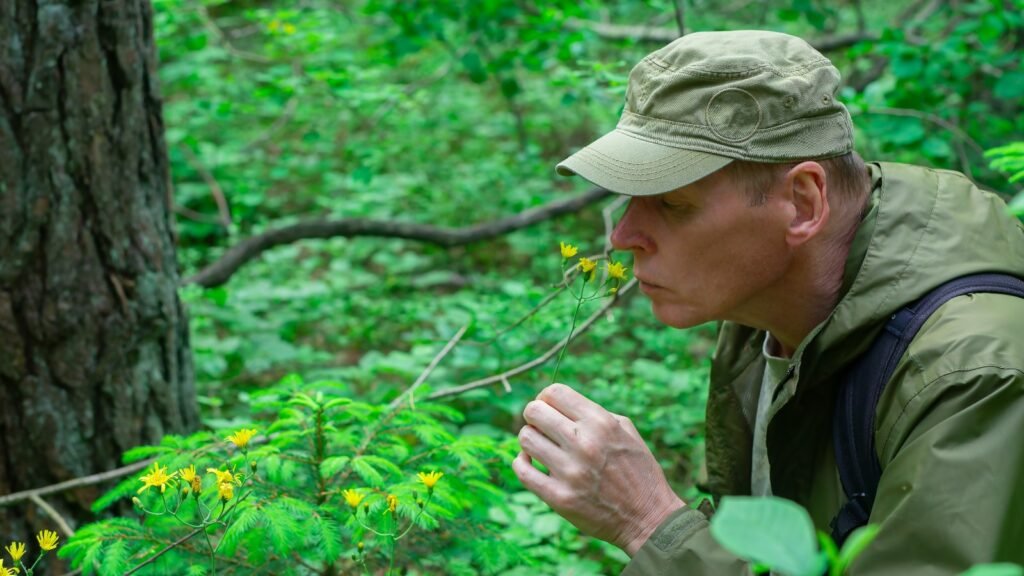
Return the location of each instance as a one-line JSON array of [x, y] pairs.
[[733, 114]]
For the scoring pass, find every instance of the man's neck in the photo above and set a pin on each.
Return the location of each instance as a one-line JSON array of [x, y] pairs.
[[808, 293]]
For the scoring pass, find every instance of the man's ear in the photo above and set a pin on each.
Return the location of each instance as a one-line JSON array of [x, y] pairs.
[[806, 188]]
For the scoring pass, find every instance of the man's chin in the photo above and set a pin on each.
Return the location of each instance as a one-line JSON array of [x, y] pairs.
[[676, 317]]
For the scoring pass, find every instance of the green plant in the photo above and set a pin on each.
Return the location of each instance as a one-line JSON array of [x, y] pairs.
[[292, 517], [777, 534], [1009, 159]]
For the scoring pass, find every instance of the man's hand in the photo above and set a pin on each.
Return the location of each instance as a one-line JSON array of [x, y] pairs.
[[601, 476]]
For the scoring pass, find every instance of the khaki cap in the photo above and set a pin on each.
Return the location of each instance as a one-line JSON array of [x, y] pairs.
[[713, 97]]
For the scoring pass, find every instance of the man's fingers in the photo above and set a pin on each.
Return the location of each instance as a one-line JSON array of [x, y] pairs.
[[574, 405], [539, 446], [532, 479], [548, 421]]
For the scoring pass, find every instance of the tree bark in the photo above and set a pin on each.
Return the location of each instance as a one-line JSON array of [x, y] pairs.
[[94, 354]]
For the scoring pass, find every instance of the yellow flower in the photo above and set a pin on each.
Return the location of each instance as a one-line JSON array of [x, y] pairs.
[[568, 250], [5, 571], [225, 476], [587, 265], [47, 540], [289, 29], [158, 478], [16, 550], [352, 498], [226, 491], [242, 437], [273, 26], [616, 270], [392, 502], [429, 480], [189, 475]]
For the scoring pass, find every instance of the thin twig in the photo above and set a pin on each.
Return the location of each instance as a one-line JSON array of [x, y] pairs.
[[551, 352], [956, 130], [533, 311], [224, 41], [167, 549], [609, 224], [215, 189], [280, 121], [61, 522], [680, 16], [196, 216], [75, 483], [861, 21], [410, 392], [384, 419], [410, 89], [663, 35]]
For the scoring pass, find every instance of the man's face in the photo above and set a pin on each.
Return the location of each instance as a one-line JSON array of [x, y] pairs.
[[703, 253]]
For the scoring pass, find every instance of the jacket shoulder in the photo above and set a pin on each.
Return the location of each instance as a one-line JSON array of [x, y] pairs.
[[967, 350]]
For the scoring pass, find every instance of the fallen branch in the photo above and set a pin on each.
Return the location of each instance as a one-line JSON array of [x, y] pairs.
[[62, 523], [75, 483], [550, 353], [220, 271], [426, 372]]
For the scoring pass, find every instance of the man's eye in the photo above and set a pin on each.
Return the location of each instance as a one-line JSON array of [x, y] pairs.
[[675, 206]]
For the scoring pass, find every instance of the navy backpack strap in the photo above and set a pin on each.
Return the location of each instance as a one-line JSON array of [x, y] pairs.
[[854, 418]]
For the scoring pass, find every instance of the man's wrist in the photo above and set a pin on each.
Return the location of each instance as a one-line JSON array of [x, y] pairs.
[[649, 524]]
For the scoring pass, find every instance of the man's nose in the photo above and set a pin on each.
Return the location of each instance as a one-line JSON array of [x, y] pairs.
[[629, 231]]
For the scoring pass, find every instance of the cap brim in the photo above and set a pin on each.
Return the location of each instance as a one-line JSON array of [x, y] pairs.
[[625, 164]]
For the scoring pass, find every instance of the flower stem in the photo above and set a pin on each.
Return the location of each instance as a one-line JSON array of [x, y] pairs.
[[575, 315]]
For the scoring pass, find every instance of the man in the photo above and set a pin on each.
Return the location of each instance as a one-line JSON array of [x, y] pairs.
[[749, 206]]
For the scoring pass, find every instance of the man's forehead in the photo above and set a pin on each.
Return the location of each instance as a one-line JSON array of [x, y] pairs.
[[695, 191]]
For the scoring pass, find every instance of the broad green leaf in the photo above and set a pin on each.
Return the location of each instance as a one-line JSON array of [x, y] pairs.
[[771, 531]]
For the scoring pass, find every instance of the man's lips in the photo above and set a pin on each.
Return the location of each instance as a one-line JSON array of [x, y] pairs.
[[646, 284]]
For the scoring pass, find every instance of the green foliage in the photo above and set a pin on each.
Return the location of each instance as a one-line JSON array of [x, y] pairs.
[[952, 87], [1009, 159], [292, 511]]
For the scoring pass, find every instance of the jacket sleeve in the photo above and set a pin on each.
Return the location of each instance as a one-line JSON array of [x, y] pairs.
[[952, 490], [683, 546], [951, 495]]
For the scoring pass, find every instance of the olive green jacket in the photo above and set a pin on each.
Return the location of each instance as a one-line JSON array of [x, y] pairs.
[[949, 428]]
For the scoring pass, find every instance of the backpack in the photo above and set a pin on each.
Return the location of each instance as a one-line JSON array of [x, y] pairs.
[[853, 423]]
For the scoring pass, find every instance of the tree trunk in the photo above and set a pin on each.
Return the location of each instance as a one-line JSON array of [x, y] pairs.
[[94, 355]]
